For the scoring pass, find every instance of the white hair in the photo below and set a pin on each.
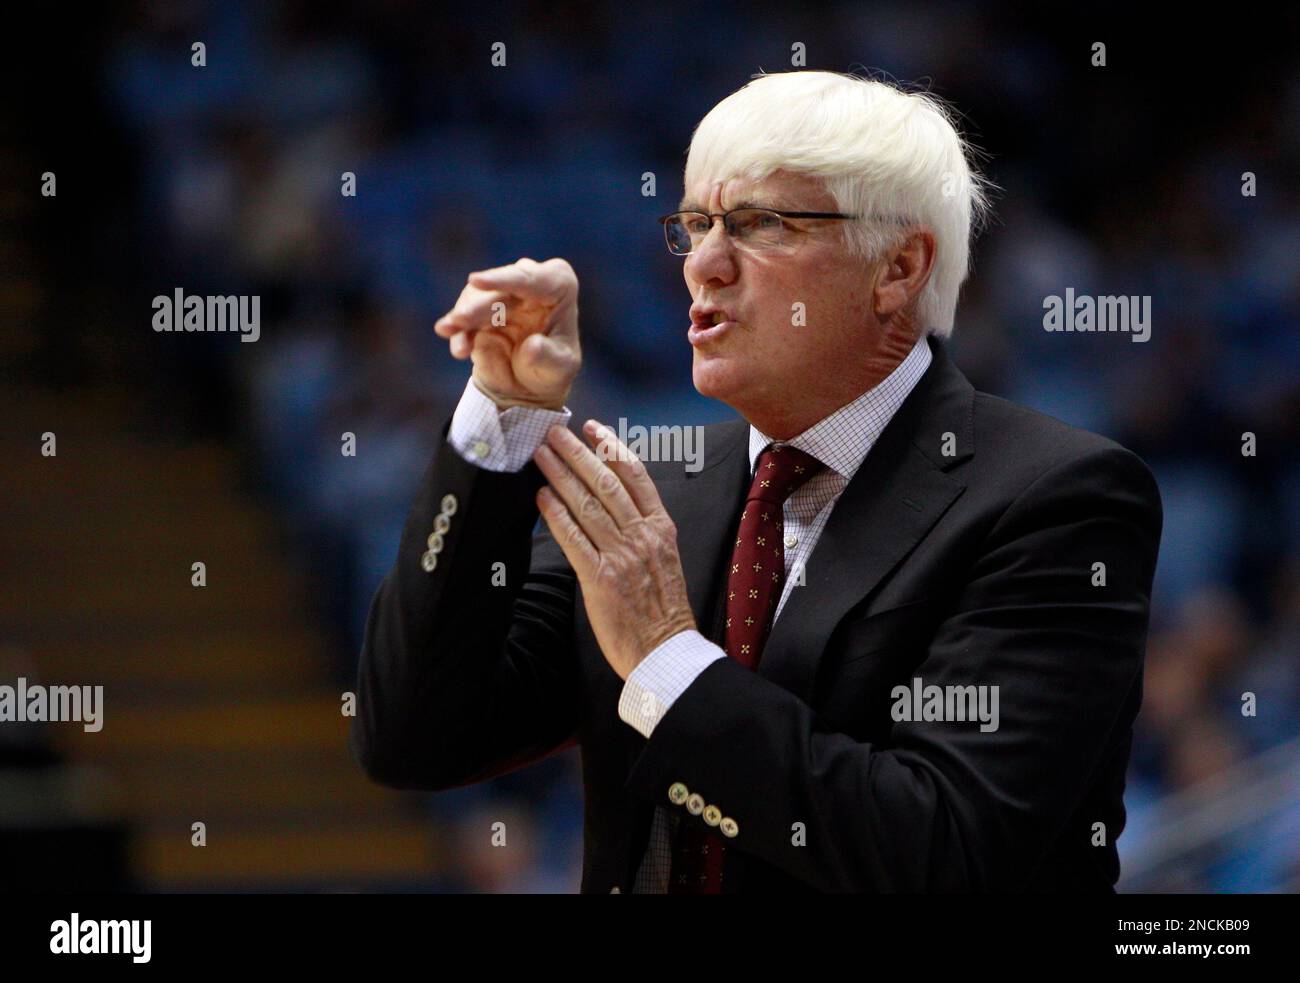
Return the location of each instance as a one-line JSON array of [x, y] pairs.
[[884, 153]]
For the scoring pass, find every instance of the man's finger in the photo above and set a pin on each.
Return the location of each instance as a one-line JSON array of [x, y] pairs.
[[538, 281], [490, 351], [585, 507], [524, 261], [573, 542], [629, 468], [473, 310], [600, 480]]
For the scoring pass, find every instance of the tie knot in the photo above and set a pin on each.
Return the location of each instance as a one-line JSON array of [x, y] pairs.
[[780, 471]]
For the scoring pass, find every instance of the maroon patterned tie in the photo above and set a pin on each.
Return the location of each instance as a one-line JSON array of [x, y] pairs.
[[754, 581]]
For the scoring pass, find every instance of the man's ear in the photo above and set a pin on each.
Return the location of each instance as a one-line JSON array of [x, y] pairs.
[[904, 273]]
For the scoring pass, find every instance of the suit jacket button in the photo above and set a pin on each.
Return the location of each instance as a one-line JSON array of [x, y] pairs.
[[677, 793], [695, 804], [712, 815], [448, 504], [729, 826], [428, 561]]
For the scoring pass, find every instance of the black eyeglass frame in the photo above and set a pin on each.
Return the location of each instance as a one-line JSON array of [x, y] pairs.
[[663, 219]]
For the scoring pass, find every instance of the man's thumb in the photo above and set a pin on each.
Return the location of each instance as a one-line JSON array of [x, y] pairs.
[[541, 352]]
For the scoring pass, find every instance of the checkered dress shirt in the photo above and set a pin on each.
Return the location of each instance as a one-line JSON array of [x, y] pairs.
[[504, 440]]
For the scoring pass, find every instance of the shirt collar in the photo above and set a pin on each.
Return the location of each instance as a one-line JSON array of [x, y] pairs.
[[842, 439]]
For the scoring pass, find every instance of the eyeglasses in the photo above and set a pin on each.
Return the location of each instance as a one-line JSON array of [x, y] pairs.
[[754, 228]]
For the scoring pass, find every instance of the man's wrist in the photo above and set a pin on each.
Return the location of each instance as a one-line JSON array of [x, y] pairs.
[[495, 439], [662, 676], [505, 402]]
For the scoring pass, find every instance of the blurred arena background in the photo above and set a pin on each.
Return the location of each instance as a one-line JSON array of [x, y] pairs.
[[222, 703]]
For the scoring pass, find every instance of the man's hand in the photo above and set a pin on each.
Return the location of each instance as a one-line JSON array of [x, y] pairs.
[[608, 519], [519, 326]]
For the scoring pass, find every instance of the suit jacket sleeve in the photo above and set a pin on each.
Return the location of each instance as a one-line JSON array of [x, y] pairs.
[[942, 805], [460, 677]]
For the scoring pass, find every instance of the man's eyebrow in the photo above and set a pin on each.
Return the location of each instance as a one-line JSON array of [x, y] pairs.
[[690, 206]]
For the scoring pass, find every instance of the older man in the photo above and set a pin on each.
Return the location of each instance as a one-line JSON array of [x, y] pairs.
[[888, 638]]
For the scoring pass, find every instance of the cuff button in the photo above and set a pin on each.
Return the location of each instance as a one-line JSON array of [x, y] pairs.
[[428, 562], [677, 793], [729, 826], [448, 504], [695, 804]]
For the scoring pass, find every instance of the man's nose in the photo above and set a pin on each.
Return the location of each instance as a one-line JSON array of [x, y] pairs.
[[714, 258]]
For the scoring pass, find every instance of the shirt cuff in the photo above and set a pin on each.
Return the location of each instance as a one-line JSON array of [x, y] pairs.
[[662, 676], [497, 439]]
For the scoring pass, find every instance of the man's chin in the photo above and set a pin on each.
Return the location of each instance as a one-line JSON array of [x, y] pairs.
[[715, 377]]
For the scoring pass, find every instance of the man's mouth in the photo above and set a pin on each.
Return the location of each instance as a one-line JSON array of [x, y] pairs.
[[708, 324]]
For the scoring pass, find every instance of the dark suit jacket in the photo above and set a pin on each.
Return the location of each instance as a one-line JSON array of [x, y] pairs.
[[962, 552]]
